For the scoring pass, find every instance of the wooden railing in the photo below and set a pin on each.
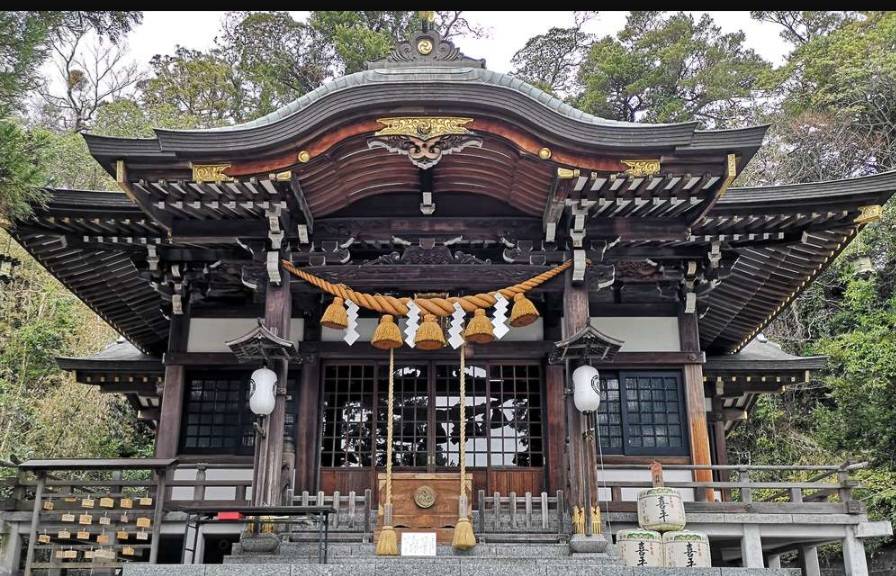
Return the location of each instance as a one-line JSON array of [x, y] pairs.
[[512, 513], [353, 510], [757, 487], [65, 484], [201, 484]]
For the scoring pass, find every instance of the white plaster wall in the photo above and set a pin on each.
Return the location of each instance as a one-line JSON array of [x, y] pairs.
[[641, 333], [366, 327], [210, 334], [634, 475], [211, 492]]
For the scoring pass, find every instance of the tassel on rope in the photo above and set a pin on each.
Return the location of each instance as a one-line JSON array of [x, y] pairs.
[[387, 545], [479, 329], [335, 316], [463, 539], [387, 336], [429, 334], [524, 311]]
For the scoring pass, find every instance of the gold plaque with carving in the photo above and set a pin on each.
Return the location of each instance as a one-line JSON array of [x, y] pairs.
[[424, 127], [424, 46], [211, 173], [641, 168]]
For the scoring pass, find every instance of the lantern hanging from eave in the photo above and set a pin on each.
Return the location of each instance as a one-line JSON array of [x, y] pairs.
[[262, 391]]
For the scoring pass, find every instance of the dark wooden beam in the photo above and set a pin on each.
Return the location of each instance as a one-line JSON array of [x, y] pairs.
[[575, 317]]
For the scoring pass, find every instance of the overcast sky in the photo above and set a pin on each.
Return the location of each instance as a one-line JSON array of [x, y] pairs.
[[507, 32]]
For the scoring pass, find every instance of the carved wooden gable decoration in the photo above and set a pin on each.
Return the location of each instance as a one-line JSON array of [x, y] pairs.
[[424, 140]]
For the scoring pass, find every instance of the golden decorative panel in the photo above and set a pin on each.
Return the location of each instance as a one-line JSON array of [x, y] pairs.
[[641, 168], [210, 173], [424, 127], [869, 214], [568, 173], [424, 46]]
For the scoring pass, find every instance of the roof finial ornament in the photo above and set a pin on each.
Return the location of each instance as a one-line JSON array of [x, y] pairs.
[[426, 48], [427, 19]]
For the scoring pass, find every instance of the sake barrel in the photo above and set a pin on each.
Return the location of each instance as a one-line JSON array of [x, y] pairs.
[[640, 547], [660, 509], [685, 549]]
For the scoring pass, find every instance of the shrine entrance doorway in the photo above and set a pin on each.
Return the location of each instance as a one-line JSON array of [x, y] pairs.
[[504, 423]]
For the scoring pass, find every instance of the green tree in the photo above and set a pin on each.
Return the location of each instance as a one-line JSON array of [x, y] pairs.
[[671, 69], [201, 85], [803, 26], [551, 60]]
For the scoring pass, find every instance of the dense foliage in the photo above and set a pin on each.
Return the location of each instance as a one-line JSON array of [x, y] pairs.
[[831, 106]]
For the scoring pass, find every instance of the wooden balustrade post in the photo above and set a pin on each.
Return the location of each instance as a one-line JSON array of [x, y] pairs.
[[480, 502], [35, 520], [746, 493], [845, 490], [158, 516], [199, 489]]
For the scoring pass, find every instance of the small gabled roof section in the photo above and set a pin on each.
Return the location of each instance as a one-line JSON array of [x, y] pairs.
[[588, 345], [760, 356]]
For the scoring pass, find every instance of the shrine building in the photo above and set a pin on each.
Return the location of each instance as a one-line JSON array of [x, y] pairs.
[[430, 214]]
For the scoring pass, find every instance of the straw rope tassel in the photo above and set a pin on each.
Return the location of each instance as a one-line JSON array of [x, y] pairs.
[[464, 539], [387, 545]]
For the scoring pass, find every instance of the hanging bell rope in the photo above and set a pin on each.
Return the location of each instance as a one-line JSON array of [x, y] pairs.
[[436, 306], [463, 539], [387, 545]]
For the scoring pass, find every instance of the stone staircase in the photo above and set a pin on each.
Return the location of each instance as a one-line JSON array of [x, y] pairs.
[[354, 559]]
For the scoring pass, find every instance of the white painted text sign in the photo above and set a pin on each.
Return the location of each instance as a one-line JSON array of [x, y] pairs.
[[418, 544]]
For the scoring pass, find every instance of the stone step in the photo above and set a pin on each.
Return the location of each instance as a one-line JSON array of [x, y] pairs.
[[437, 567], [519, 550]]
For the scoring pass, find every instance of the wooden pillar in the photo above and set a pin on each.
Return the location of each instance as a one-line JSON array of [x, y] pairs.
[[720, 442], [575, 317], [266, 485], [171, 411], [308, 433], [35, 521], [555, 416], [689, 337]]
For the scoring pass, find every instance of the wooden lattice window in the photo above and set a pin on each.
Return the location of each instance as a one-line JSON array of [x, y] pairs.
[[216, 414], [348, 405], [447, 405], [410, 435], [515, 420], [642, 413]]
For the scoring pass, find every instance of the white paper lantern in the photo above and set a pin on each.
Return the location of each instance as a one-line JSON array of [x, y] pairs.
[[586, 394], [262, 391]]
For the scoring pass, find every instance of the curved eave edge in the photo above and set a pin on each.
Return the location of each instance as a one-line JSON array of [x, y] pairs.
[[315, 111], [882, 183]]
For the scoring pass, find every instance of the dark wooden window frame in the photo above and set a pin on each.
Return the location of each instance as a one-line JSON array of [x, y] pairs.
[[626, 418], [433, 364], [244, 415]]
